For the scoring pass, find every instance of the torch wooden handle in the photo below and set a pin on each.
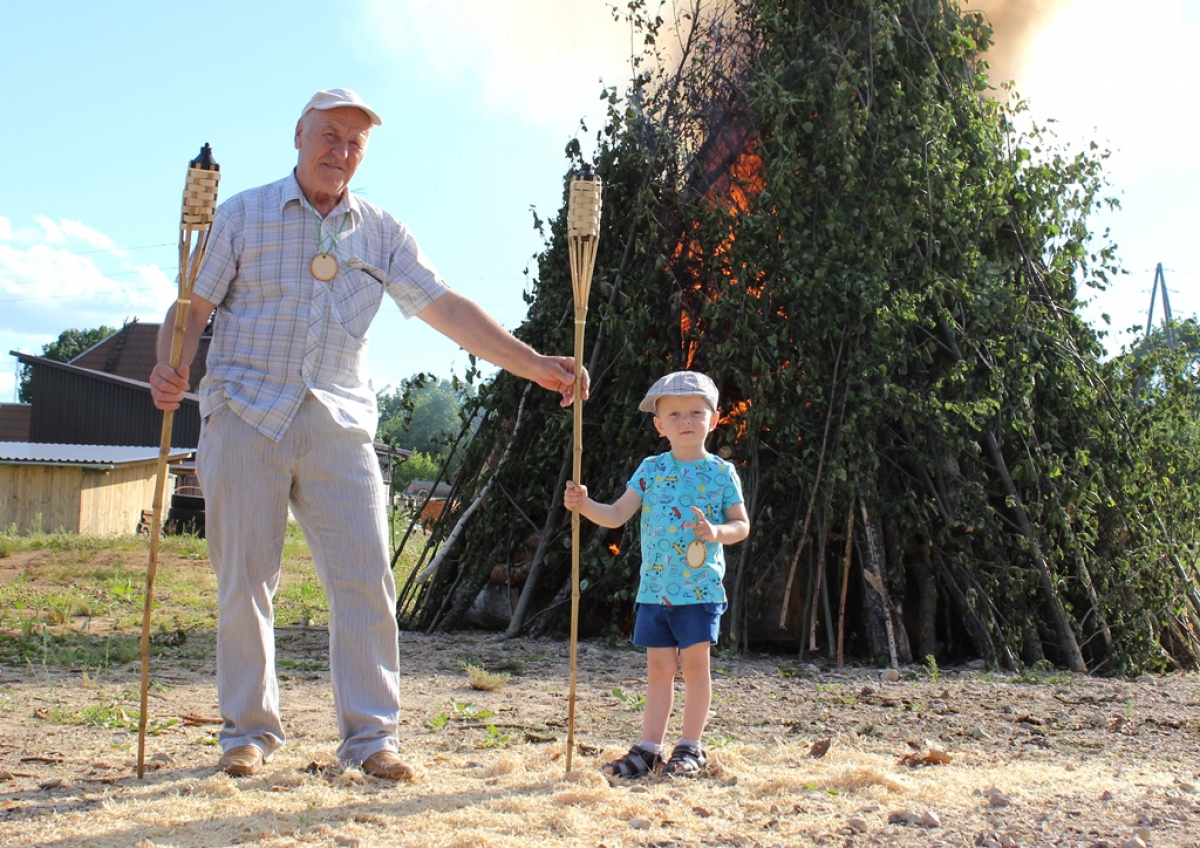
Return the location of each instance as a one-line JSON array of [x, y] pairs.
[[583, 234], [199, 210]]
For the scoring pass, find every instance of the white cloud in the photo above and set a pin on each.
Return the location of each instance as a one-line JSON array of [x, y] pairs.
[[50, 281], [98, 240], [51, 233], [59, 233]]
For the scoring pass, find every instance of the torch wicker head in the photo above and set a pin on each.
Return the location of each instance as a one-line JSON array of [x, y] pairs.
[[200, 192], [583, 208]]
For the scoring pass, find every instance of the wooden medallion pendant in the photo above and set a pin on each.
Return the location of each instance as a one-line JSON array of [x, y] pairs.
[[324, 267]]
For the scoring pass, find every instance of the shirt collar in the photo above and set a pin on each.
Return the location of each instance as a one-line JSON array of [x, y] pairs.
[[349, 204]]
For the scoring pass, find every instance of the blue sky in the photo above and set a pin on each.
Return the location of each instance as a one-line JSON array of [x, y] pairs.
[[479, 99]]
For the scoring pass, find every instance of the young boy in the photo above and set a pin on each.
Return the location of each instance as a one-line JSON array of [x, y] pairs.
[[691, 504]]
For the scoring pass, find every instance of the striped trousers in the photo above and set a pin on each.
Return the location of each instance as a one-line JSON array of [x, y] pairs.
[[330, 477]]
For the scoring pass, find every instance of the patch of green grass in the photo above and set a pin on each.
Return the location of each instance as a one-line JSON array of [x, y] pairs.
[[33, 646], [1041, 672], [112, 716], [409, 557], [832, 693], [718, 740], [81, 600], [301, 599], [812, 787]]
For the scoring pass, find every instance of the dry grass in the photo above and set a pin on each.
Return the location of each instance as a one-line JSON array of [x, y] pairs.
[[1055, 760], [1086, 779], [753, 797], [484, 680]]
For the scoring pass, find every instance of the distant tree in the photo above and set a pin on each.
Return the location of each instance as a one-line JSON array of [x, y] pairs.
[[1181, 335], [419, 466], [70, 343], [422, 413]]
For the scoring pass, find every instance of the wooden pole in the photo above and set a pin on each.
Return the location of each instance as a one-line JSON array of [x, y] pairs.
[[841, 634], [199, 206], [583, 234]]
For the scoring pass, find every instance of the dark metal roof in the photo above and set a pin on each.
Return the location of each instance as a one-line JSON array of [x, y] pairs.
[[34, 453], [131, 353], [74, 405], [41, 361]]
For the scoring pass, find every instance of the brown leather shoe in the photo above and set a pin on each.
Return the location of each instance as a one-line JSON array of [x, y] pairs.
[[387, 765], [242, 761]]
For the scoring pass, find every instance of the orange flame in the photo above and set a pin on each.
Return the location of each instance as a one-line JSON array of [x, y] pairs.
[[736, 417], [734, 187]]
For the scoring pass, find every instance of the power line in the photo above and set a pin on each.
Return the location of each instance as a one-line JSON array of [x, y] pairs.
[[115, 249]]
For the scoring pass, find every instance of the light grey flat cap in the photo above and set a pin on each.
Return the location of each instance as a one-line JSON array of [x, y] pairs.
[[681, 384]]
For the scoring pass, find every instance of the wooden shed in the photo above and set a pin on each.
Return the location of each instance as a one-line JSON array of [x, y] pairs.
[[99, 490]]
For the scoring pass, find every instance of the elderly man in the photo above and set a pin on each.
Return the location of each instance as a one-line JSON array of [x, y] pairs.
[[297, 270]]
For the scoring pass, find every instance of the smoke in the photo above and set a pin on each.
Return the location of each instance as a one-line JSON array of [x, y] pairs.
[[543, 62], [1016, 25], [533, 59]]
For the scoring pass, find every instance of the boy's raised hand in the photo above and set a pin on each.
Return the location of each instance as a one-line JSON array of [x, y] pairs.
[[702, 527]]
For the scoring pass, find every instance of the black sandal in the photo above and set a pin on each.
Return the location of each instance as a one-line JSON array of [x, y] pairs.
[[636, 764], [685, 761]]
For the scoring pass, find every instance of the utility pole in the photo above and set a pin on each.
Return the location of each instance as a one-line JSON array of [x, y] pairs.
[[1160, 281]]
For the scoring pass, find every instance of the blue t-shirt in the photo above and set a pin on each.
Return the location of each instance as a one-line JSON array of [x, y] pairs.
[[668, 490]]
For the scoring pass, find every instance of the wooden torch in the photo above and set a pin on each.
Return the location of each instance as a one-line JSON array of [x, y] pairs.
[[583, 234], [195, 224]]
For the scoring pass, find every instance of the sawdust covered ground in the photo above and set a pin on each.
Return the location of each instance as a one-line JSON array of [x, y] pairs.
[[1068, 761]]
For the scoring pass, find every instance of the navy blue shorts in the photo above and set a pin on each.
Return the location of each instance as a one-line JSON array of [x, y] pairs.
[[681, 626]]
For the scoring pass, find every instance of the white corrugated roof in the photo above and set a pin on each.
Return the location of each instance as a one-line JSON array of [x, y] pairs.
[[34, 453]]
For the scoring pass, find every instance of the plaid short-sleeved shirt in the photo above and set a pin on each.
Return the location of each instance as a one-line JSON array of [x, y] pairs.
[[280, 332]]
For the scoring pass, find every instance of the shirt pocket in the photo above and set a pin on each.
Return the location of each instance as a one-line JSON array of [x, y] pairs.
[[355, 300]]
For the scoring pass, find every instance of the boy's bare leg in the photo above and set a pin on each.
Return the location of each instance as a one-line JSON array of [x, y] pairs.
[[661, 664], [697, 691]]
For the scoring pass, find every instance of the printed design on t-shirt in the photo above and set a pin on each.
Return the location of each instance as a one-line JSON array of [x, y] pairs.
[[669, 492]]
